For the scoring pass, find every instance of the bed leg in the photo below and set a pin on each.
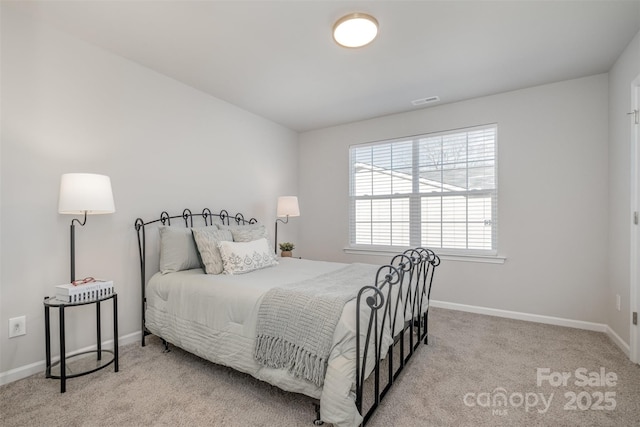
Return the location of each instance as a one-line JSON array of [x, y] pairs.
[[166, 346], [426, 327], [317, 421]]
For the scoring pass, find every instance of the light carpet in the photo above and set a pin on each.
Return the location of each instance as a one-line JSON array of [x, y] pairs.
[[456, 380]]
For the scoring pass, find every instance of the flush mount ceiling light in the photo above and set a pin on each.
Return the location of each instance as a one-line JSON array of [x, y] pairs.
[[355, 30]]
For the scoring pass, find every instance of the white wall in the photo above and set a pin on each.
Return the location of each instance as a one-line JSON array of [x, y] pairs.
[[624, 71], [552, 148], [68, 106]]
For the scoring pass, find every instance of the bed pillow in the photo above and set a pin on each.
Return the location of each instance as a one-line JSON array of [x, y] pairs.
[[207, 240], [243, 257], [246, 233], [177, 250]]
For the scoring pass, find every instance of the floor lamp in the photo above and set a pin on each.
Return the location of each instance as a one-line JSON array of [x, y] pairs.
[[84, 194], [287, 206]]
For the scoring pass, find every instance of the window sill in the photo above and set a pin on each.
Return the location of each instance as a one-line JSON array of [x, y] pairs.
[[488, 259]]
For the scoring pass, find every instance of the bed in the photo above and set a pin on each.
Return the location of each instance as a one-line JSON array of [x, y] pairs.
[[234, 304]]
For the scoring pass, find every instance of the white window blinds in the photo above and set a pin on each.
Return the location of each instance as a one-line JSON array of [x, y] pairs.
[[434, 190]]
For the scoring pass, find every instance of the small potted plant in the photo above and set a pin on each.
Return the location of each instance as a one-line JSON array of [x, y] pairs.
[[286, 249]]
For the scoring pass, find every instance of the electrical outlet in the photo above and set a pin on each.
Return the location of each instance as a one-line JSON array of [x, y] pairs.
[[17, 326], [618, 302]]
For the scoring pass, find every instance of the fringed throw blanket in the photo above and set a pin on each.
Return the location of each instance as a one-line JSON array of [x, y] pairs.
[[296, 324]]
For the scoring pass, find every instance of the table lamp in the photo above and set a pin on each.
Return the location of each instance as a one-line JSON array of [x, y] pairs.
[[84, 194], [287, 206]]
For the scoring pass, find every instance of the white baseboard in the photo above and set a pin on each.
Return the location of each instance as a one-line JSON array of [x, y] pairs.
[[39, 367], [549, 320], [625, 347]]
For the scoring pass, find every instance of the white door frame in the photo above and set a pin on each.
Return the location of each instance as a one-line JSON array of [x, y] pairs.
[[634, 300]]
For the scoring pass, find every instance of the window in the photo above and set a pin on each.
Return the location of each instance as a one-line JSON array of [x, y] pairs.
[[435, 190]]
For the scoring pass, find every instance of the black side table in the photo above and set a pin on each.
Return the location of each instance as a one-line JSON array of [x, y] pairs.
[[95, 364]]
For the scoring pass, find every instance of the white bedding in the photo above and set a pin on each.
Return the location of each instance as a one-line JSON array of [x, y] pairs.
[[214, 317]]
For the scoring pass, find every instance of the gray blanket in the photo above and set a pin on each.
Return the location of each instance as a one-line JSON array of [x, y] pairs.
[[296, 324]]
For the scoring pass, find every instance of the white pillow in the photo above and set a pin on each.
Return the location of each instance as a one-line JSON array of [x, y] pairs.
[[243, 257], [246, 233], [177, 250], [207, 240]]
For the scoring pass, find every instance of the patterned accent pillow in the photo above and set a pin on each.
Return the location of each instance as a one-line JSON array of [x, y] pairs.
[[243, 257], [177, 250], [207, 240], [246, 233]]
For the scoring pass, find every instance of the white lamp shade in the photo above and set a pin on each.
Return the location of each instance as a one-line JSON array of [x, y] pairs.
[[85, 192], [288, 206]]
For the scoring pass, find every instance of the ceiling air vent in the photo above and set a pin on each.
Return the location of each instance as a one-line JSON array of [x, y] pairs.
[[423, 101]]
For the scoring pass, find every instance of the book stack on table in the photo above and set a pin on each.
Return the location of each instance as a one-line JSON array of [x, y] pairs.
[[85, 291]]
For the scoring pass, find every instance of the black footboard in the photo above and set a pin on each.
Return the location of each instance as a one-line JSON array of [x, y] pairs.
[[398, 301]]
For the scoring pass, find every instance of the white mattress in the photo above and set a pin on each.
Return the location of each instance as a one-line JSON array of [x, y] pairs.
[[214, 317]]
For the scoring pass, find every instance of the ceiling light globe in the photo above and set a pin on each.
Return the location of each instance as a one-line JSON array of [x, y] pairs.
[[355, 30]]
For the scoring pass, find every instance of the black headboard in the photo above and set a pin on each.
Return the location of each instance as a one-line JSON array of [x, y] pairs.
[[206, 217]]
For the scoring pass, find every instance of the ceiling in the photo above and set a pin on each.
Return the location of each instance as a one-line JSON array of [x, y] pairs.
[[277, 58]]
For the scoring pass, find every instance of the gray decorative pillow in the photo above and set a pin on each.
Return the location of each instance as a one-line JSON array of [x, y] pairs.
[[243, 257], [177, 250], [246, 233], [207, 240]]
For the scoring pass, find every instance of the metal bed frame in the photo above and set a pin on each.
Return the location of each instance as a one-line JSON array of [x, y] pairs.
[[411, 272]]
